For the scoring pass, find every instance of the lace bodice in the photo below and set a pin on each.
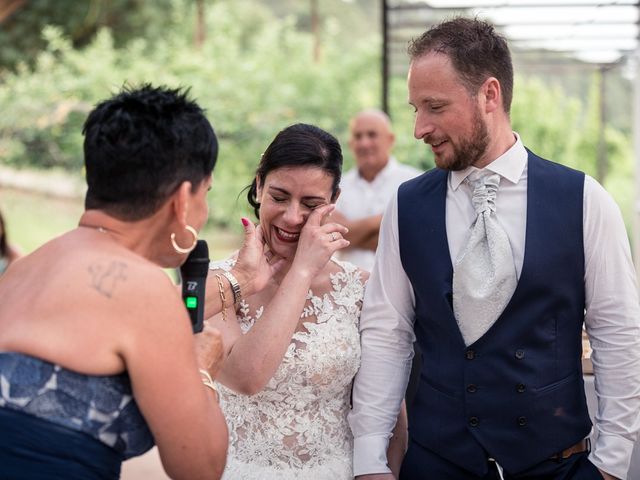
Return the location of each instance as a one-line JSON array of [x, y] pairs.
[[298, 423]]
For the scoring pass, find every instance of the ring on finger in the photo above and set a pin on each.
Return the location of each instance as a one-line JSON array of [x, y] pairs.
[[333, 236]]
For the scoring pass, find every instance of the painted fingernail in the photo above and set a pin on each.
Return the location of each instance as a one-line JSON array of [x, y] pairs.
[[245, 222]]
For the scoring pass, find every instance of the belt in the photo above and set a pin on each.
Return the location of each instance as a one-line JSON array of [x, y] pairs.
[[580, 447]]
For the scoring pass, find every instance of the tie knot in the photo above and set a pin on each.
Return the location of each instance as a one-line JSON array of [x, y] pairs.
[[485, 188]]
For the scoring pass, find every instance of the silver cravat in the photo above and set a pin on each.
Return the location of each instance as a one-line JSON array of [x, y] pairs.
[[484, 275]]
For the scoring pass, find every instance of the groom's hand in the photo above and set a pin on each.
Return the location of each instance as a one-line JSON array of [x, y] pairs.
[[606, 476]]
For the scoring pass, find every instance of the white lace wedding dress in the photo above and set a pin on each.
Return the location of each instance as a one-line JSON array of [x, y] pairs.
[[296, 428]]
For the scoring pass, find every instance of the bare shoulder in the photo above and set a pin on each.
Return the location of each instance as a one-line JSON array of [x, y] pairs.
[[128, 277], [107, 279], [98, 298]]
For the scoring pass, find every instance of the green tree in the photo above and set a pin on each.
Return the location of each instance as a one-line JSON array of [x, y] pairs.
[[254, 74], [79, 21]]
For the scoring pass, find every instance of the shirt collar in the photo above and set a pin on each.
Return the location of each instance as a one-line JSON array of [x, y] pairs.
[[509, 165], [386, 170]]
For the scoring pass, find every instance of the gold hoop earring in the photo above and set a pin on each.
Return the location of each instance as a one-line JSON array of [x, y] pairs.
[[178, 248]]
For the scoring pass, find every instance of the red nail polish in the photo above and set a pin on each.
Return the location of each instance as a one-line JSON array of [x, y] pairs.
[[245, 222]]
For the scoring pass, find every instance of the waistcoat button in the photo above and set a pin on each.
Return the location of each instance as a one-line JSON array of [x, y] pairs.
[[520, 388], [522, 421], [474, 422], [519, 354], [470, 354], [471, 388]]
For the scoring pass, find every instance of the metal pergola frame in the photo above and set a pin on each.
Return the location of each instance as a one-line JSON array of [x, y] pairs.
[[391, 41]]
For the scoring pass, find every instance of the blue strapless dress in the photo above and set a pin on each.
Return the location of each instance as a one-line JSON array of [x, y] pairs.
[[59, 424]]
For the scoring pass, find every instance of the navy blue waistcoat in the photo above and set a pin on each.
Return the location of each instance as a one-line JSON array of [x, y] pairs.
[[517, 393]]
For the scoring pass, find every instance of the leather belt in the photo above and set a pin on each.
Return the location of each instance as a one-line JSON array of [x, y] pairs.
[[580, 447]]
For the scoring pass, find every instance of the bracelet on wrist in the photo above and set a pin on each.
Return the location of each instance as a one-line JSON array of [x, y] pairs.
[[235, 286], [223, 298]]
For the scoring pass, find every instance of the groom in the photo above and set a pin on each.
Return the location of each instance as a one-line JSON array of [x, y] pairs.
[[493, 261]]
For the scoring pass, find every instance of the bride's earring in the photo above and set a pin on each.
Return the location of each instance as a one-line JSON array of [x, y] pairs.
[[178, 248]]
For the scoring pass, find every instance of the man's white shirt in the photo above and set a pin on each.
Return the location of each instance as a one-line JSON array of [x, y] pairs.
[[360, 198], [612, 317]]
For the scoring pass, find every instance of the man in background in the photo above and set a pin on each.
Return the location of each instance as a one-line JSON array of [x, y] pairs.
[[367, 188]]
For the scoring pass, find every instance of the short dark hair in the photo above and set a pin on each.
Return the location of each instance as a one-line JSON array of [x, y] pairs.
[[140, 145], [299, 145], [476, 51]]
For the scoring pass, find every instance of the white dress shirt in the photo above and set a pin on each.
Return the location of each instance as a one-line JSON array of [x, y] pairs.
[[360, 198], [612, 316]]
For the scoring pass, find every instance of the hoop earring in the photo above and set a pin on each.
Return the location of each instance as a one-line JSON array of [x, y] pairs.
[[178, 248]]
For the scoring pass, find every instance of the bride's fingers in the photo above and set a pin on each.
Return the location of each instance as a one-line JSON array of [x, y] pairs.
[[335, 227], [335, 236], [320, 213]]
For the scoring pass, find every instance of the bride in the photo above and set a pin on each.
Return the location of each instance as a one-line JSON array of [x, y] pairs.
[[294, 347]]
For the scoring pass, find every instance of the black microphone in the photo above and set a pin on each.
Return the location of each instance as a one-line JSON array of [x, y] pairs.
[[194, 279]]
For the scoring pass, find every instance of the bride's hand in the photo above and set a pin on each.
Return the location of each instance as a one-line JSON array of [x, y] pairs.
[[255, 265], [319, 240]]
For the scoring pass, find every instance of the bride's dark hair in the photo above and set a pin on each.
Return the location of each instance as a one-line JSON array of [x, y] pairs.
[[299, 145]]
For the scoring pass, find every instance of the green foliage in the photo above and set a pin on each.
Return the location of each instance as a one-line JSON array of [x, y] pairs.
[[407, 149], [254, 75], [31, 219], [547, 120], [78, 20], [566, 130]]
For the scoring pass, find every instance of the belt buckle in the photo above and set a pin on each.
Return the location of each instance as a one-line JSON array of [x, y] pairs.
[[560, 456]]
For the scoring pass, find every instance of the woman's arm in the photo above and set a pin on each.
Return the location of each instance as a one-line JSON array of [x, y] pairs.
[[254, 357], [160, 356]]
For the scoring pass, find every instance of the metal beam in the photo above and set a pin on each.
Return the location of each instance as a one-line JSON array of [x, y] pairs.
[[466, 6], [385, 58], [525, 23], [404, 38]]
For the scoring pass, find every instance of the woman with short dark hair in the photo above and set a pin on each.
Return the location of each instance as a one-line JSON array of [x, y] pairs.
[[97, 357]]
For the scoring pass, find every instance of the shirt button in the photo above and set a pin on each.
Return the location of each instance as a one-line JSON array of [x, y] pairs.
[[520, 388], [519, 354], [471, 388], [474, 421], [470, 354], [522, 421]]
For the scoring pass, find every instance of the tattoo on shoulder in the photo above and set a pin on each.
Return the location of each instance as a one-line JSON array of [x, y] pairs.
[[105, 277]]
